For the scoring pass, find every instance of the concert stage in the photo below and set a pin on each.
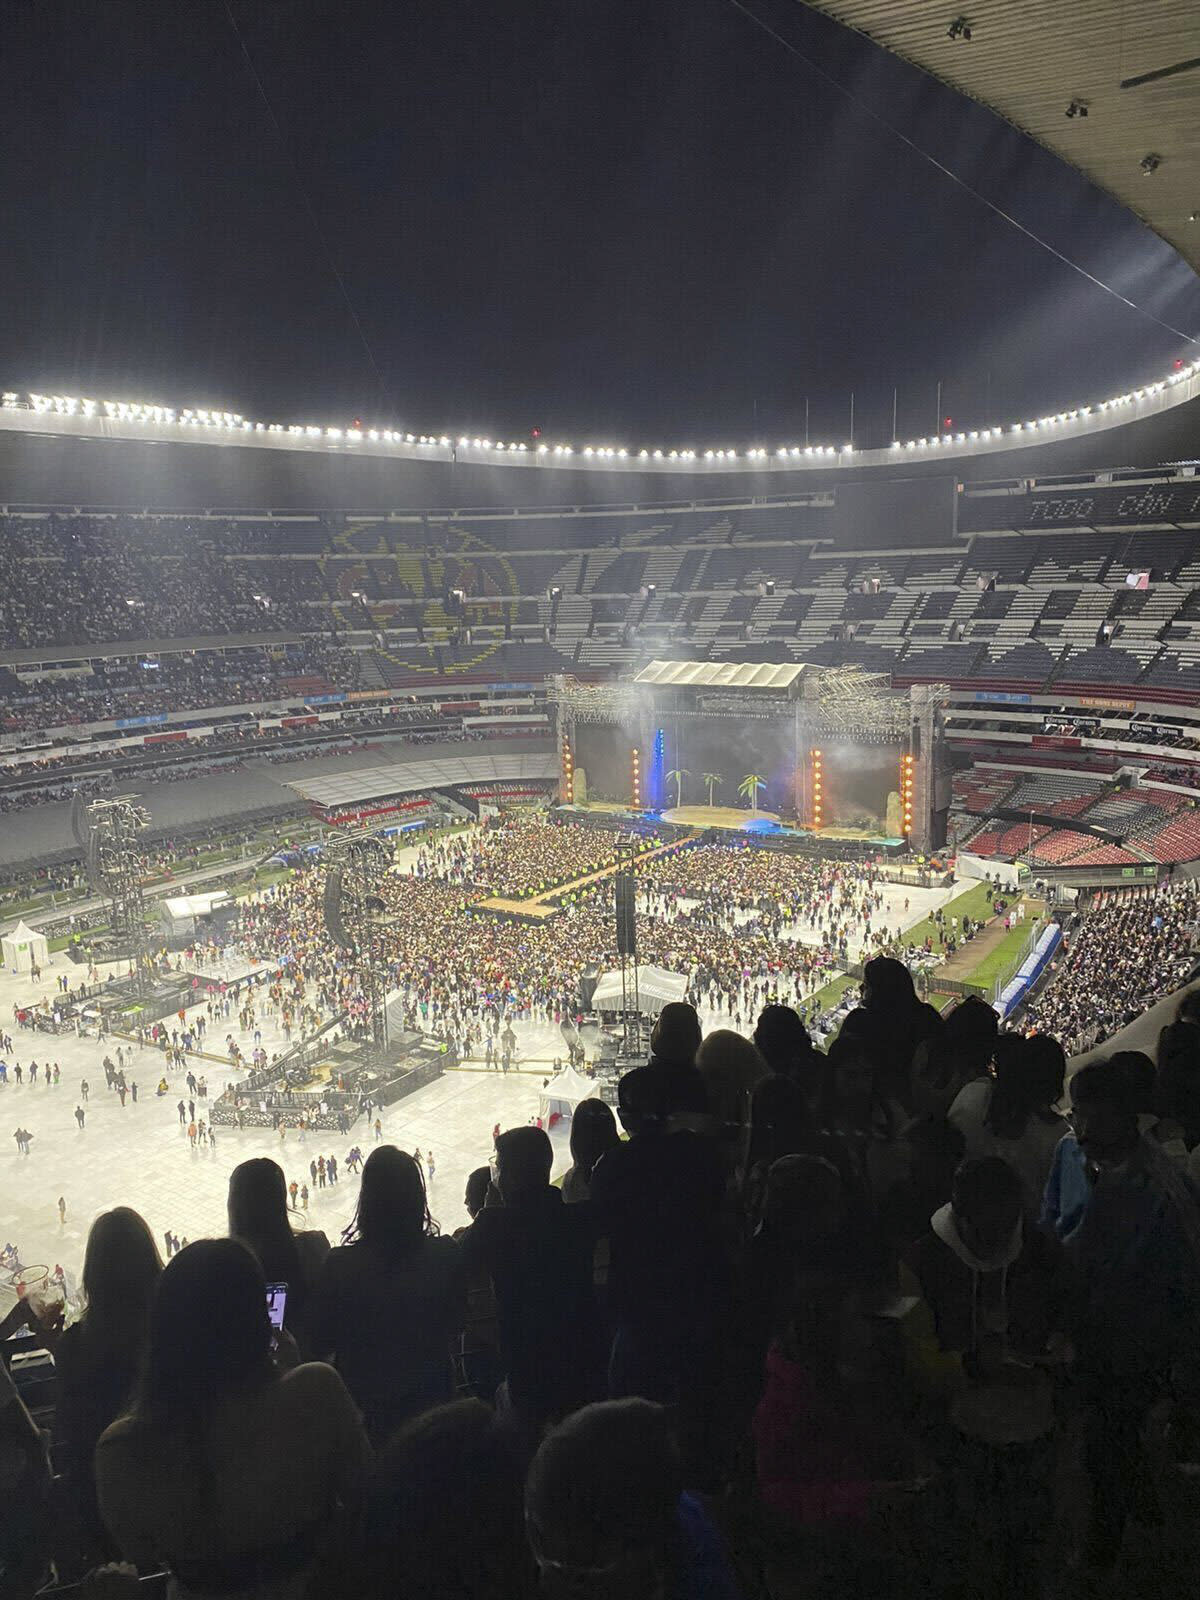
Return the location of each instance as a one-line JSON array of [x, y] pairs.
[[793, 754]]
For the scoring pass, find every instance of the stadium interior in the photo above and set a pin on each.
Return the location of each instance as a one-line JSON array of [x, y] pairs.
[[590, 1020]]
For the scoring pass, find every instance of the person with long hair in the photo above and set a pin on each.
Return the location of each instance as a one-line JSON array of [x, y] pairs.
[[731, 1067], [258, 1216], [237, 1476], [593, 1131], [1012, 1115], [388, 1302], [96, 1360]]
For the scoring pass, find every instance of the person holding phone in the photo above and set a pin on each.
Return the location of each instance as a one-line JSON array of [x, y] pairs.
[[259, 1217], [234, 1474]]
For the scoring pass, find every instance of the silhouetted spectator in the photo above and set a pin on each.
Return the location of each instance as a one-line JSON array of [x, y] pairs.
[[476, 1193], [446, 1513], [538, 1253], [674, 1042], [993, 1312], [97, 1359], [784, 1102], [607, 1513], [730, 1068], [1137, 1254], [660, 1199], [593, 1131], [234, 1475], [389, 1300], [890, 1023], [1012, 1115], [259, 1217]]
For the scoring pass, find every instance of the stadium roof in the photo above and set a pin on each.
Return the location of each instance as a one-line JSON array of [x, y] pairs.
[[720, 674], [39, 416], [1131, 71]]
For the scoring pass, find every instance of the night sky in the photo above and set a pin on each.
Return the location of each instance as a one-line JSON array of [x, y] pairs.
[[634, 223]]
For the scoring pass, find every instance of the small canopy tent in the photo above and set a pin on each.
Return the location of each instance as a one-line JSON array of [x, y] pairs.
[[24, 948], [656, 987], [564, 1092]]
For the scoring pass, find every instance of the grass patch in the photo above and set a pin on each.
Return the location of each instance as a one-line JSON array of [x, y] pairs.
[[829, 994], [975, 903], [1000, 962]]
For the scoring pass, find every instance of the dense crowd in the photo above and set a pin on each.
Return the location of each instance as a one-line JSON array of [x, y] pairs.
[[466, 973], [873, 1322], [1134, 946], [96, 584], [518, 856], [464, 970], [126, 687], [841, 900]]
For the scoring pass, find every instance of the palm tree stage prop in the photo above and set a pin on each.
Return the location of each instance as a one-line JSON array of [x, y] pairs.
[[749, 787]]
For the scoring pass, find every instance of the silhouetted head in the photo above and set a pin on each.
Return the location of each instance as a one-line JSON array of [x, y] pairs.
[[446, 1515], [601, 1503], [1139, 1069], [478, 1183], [392, 1212], [641, 1102], [524, 1157], [593, 1131], [887, 986], [970, 1034], [730, 1066], [677, 1033], [257, 1197], [1105, 1099], [121, 1266], [783, 1040], [209, 1334]]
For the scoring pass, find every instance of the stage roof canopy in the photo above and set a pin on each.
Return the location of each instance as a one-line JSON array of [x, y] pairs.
[[771, 675], [656, 988]]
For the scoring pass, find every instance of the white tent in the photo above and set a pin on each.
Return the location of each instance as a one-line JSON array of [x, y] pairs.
[[564, 1092], [655, 985], [24, 948]]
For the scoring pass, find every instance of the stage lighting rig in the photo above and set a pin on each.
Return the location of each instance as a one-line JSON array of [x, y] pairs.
[[1077, 108], [960, 28]]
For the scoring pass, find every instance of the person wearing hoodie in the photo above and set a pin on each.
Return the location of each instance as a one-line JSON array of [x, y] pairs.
[[673, 1045], [994, 1293], [988, 1325]]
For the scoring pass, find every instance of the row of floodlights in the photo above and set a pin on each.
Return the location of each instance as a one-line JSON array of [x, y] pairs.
[[229, 421]]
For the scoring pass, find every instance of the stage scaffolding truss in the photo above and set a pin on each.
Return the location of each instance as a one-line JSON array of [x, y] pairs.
[[832, 700], [109, 832], [355, 916]]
